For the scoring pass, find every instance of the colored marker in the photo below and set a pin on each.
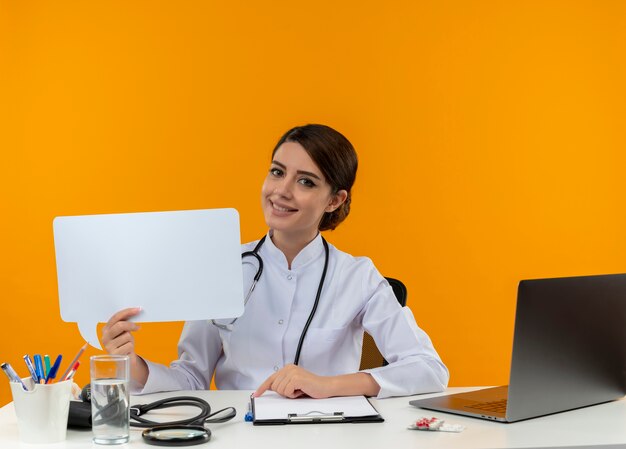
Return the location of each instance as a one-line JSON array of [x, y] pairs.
[[46, 365], [71, 372], [69, 368], [52, 373], [12, 375], [31, 368], [39, 369]]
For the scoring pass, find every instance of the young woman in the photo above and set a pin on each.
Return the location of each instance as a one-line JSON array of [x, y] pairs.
[[306, 283]]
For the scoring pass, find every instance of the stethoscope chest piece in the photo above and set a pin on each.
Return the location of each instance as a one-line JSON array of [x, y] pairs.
[[181, 435]]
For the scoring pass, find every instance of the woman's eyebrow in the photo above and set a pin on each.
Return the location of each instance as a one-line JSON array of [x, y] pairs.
[[300, 172], [281, 165], [308, 173]]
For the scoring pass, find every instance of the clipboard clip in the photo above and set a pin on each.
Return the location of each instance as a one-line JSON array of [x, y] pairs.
[[315, 416]]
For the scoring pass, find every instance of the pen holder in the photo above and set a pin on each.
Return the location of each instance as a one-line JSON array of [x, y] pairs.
[[42, 410]]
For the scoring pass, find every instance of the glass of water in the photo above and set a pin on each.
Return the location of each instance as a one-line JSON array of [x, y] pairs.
[[110, 399]]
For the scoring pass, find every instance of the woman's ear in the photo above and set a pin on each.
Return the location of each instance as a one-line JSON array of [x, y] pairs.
[[337, 200]]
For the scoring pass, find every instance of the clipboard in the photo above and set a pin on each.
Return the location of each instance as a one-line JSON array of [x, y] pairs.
[[273, 409]]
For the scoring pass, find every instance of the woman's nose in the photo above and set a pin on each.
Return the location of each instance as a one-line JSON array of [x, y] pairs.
[[283, 187]]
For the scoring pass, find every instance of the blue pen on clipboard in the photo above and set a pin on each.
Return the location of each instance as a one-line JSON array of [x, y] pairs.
[[12, 375], [249, 416], [31, 368]]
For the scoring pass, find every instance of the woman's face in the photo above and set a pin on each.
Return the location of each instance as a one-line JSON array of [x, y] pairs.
[[295, 194]]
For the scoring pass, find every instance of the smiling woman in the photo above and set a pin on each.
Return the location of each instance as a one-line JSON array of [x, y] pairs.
[[295, 198], [311, 176], [303, 331]]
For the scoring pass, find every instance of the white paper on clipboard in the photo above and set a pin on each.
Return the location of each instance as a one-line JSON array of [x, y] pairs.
[[272, 406]]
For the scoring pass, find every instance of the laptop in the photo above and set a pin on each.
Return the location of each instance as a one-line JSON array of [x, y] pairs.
[[569, 351]]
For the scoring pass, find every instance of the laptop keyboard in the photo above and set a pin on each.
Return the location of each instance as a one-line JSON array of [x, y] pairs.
[[493, 406]]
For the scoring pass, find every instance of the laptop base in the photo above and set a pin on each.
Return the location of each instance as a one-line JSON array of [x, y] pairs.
[[466, 403]]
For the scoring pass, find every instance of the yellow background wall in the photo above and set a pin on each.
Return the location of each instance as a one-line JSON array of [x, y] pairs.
[[491, 137]]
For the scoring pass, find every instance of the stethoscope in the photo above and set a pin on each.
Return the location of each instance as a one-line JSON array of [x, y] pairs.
[[181, 432], [255, 253]]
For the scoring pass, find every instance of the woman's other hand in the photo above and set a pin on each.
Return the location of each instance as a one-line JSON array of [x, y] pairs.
[[293, 381]]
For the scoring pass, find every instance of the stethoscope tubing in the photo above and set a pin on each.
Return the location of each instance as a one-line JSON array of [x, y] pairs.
[[255, 253], [314, 309], [203, 417]]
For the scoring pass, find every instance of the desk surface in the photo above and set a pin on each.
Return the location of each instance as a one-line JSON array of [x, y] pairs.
[[600, 425]]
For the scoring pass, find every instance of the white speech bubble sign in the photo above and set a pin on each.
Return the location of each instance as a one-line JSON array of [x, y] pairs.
[[176, 266]]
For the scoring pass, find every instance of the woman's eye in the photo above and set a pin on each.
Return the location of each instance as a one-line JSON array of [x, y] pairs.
[[276, 172], [306, 182]]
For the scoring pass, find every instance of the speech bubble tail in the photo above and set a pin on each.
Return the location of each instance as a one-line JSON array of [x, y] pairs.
[[89, 332]]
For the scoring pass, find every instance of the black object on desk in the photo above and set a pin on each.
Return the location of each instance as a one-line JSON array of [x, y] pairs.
[[79, 415]]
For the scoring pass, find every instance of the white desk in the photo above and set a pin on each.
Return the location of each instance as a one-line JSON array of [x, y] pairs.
[[601, 425]]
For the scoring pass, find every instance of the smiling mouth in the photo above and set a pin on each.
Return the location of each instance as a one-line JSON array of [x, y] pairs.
[[281, 209]]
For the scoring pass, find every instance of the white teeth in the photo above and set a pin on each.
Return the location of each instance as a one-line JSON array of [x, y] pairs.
[[281, 209]]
